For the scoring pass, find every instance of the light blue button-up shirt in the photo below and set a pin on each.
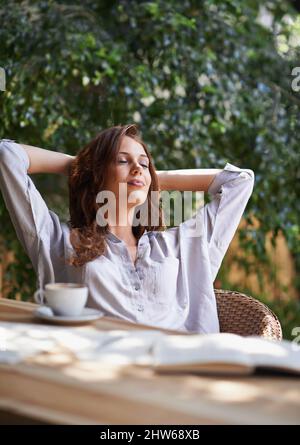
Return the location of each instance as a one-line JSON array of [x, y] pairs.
[[171, 284]]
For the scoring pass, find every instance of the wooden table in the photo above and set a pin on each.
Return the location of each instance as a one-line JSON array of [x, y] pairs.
[[60, 390]]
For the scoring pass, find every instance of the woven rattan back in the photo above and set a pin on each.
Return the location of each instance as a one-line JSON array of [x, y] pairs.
[[244, 315]]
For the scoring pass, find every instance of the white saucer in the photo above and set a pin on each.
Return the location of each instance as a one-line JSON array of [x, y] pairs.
[[88, 314]]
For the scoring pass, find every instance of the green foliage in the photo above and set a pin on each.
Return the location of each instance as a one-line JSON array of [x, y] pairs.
[[206, 82]]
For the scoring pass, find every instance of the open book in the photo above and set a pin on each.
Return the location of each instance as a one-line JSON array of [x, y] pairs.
[[191, 353], [225, 354]]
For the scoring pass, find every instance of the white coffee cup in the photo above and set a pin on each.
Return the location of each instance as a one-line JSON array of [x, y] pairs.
[[66, 299]]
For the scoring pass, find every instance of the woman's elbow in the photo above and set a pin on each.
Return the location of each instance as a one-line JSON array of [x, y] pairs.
[[250, 174]]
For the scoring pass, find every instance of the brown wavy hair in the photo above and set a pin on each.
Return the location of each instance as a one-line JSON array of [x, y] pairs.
[[87, 176]]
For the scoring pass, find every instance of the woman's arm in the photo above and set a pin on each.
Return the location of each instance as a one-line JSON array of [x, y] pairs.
[[47, 161], [219, 219], [38, 228], [190, 180]]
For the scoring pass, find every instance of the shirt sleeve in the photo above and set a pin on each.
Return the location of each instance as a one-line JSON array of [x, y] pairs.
[[218, 220], [37, 228], [230, 192]]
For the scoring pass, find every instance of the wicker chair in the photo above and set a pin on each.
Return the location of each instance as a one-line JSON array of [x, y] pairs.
[[244, 315]]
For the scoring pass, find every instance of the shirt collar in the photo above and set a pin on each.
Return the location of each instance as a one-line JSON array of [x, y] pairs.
[[115, 239]]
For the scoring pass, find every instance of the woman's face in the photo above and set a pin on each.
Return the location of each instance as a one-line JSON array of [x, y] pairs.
[[132, 164]]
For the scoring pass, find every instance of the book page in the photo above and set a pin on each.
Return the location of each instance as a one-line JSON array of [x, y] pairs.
[[201, 349], [283, 354], [211, 351]]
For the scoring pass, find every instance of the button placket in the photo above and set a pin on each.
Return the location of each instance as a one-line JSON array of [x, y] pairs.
[[135, 272], [140, 307]]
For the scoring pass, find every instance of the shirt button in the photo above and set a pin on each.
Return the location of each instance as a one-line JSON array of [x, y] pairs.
[[140, 308], [137, 287]]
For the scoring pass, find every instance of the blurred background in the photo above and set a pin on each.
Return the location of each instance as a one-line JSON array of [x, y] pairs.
[[207, 82]]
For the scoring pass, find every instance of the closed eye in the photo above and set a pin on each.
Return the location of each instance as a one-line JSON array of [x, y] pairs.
[[143, 165]]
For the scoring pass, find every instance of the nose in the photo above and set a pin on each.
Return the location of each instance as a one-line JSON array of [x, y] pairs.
[[137, 167]]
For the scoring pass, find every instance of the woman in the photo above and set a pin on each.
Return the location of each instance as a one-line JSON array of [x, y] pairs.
[[134, 270]]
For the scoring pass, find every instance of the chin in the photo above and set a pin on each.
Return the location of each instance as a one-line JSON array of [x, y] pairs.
[[137, 197]]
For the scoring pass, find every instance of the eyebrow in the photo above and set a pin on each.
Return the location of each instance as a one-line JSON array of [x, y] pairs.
[[126, 153]]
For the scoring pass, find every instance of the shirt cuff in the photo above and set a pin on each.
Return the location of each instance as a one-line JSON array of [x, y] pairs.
[[14, 147], [223, 177]]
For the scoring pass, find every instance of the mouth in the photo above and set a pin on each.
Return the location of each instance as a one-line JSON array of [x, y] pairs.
[[136, 183]]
